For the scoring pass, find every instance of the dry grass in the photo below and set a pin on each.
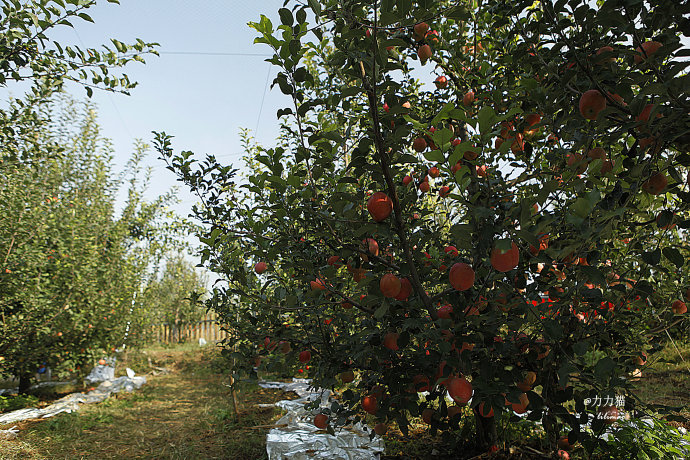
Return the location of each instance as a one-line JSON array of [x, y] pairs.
[[186, 414], [666, 379]]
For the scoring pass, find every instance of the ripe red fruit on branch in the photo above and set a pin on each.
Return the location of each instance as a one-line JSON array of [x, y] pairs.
[[424, 52], [655, 184], [420, 30], [678, 307], [605, 49], [531, 120], [444, 191], [575, 162], [321, 421], [445, 311], [452, 251], [371, 245], [505, 261], [434, 172], [526, 384], [380, 429], [484, 412], [304, 356], [459, 389], [591, 103], [461, 276], [597, 153], [390, 285], [646, 50], [405, 290], [390, 341], [424, 187], [564, 444], [468, 98], [427, 414], [380, 206], [419, 144], [260, 267], [370, 404], [407, 180], [441, 82]]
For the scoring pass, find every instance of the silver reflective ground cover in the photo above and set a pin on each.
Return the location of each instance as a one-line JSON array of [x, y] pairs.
[[299, 439], [72, 401]]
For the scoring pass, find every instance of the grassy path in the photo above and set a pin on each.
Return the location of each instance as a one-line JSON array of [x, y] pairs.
[[186, 414]]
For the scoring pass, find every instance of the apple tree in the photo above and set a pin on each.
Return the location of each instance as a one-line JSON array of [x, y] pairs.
[[70, 266], [504, 232]]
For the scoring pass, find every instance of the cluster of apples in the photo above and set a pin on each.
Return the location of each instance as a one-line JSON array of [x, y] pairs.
[[425, 37]]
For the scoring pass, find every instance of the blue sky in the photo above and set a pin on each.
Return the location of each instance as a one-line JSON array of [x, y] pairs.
[[201, 99]]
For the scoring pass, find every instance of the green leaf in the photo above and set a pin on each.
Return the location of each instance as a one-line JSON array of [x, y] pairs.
[[504, 244], [286, 17], [652, 258], [381, 311], [315, 5], [580, 348], [486, 119], [528, 237], [435, 155], [603, 370], [674, 255]]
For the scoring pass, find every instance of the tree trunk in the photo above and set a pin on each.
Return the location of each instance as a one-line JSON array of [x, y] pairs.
[[24, 383], [486, 430]]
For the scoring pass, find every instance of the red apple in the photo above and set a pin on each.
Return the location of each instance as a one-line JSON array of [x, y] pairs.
[[646, 50], [468, 98], [370, 404], [321, 421], [424, 52], [445, 311], [304, 356], [461, 276], [441, 82], [390, 285], [420, 30], [655, 184], [505, 261], [390, 341], [591, 103], [405, 290], [380, 206], [459, 389], [678, 307], [260, 267], [419, 144]]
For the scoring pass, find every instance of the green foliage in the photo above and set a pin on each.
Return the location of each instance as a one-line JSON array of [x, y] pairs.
[[597, 272], [644, 439], [10, 403], [70, 267], [176, 295]]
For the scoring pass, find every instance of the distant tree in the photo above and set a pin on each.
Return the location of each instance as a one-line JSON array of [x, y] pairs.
[[69, 266], [174, 296]]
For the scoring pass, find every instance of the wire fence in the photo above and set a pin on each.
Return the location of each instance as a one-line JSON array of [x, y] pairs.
[[207, 329]]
